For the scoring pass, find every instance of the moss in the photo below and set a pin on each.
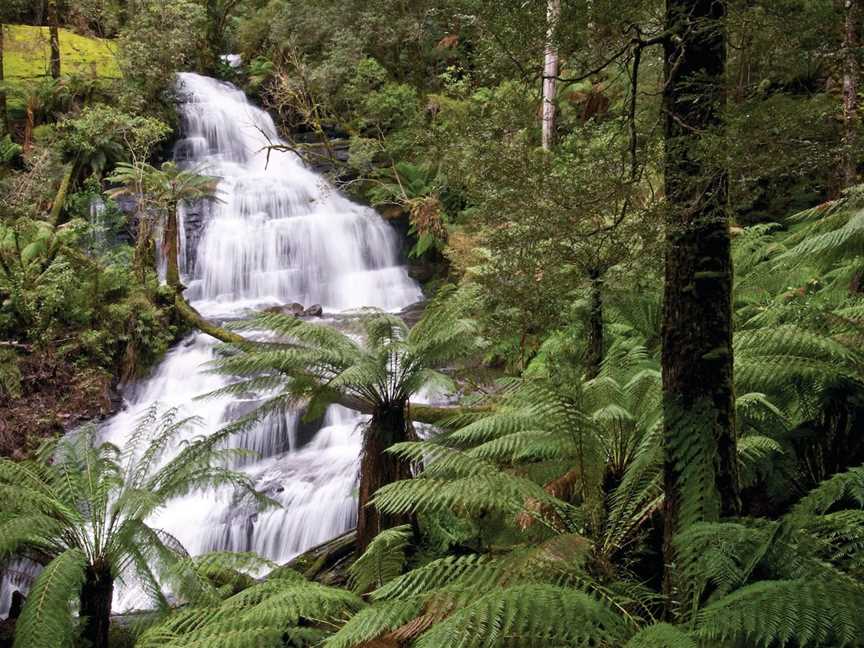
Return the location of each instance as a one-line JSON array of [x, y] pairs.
[[27, 53]]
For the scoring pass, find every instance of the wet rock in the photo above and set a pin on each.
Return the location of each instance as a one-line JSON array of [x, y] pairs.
[[294, 309], [314, 311], [413, 313]]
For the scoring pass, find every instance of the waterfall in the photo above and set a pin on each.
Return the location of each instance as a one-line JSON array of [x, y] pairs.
[[278, 234]]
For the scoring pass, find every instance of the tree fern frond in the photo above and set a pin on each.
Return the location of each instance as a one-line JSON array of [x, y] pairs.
[[382, 561], [807, 611], [375, 621], [529, 615], [474, 572], [46, 619], [661, 635], [844, 486]]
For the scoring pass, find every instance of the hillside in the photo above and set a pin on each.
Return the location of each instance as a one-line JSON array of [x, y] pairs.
[[27, 55]]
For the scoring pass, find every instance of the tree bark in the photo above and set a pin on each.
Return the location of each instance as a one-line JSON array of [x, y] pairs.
[[54, 32], [550, 73], [698, 400], [851, 46], [594, 356], [379, 468], [4, 113], [171, 246], [62, 192], [95, 599]]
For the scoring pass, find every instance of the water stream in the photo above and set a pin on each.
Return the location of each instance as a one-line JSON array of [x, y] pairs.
[[279, 234]]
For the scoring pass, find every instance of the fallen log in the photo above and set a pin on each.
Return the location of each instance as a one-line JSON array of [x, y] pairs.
[[328, 562]]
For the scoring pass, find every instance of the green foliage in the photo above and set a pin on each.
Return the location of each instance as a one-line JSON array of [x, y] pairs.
[[159, 40], [46, 620], [264, 615], [102, 136], [320, 364], [382, 561], [80, 505]]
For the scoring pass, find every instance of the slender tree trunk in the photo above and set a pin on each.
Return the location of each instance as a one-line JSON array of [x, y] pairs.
[[171, 246], [851, 46], [550, 73], [701, 470], [29, 124], [95, 599], [66, 183], [54, 32], [594, 357], [4, 114], [378, 468]]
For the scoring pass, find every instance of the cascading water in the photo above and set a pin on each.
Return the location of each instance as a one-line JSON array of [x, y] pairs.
[[278, 234]]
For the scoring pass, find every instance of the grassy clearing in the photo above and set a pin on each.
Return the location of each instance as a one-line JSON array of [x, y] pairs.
[[27, 53]]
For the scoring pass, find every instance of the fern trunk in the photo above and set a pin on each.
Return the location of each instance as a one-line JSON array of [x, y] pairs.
[[594, 358], [171, 246], [701, 469], [96, 595], [379, 468]]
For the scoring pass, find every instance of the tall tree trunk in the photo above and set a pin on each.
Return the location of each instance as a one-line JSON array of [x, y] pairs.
[[550, 72], [377, 469], [95, 599], [171, 247], [54, 32], [701, 470], [4, 114], [594, 357], [851, 47]]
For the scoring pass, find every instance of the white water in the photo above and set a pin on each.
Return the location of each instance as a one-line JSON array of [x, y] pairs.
[[280, 234]]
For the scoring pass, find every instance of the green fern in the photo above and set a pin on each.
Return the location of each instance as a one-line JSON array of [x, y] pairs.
[[88, 502], [46, 619], [661, 635], [807, 612], [382, 561], [529, 615]]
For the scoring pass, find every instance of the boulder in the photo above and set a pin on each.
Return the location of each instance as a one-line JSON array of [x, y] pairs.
[[294, 309], [314, 311]]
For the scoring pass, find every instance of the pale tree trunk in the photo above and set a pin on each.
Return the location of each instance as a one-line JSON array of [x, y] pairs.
[[550, 73], [851, 45], [701, 465]]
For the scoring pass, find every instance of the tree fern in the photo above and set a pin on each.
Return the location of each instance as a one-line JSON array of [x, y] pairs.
[[84, 500], [317, 365]]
